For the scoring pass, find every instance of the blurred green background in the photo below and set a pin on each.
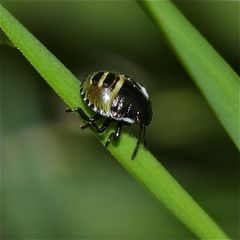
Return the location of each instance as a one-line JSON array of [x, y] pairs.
[[58, 182]]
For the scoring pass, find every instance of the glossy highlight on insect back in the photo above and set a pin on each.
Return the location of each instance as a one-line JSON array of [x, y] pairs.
[[117, 98]]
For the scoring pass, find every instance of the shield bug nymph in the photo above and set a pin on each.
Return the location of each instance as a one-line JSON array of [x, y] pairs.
[[117, 98]]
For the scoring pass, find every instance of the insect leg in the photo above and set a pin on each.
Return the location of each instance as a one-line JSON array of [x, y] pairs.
[[104, 126], [90, 120], [138, 142], [115, 135], [80, 111]]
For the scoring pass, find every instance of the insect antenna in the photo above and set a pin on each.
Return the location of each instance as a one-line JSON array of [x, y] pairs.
[[138, 142]]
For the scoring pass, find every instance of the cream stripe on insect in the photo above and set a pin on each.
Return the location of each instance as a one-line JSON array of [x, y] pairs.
[[118, 86], [90, 77], [116, 90], [101, 80]]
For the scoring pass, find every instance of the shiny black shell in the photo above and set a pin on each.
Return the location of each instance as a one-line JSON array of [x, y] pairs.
[[117, 96]]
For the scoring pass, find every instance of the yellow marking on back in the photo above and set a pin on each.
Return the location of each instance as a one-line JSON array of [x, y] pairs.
[[115, 91], [101, 80], [118, 86], [95, 93]]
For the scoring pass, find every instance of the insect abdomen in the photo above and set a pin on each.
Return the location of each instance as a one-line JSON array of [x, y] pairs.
[[99, 90]]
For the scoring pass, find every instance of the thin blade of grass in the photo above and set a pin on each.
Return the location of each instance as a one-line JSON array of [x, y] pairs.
[[215, 78], [145, 168]]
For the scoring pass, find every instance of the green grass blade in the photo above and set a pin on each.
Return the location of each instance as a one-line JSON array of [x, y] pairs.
[[145, 168], [214, 77]]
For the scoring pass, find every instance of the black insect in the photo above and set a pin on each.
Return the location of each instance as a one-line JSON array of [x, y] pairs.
[[118, 98]]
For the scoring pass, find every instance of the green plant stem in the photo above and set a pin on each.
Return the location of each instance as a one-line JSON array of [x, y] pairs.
[[215, 78], [145, 168]]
